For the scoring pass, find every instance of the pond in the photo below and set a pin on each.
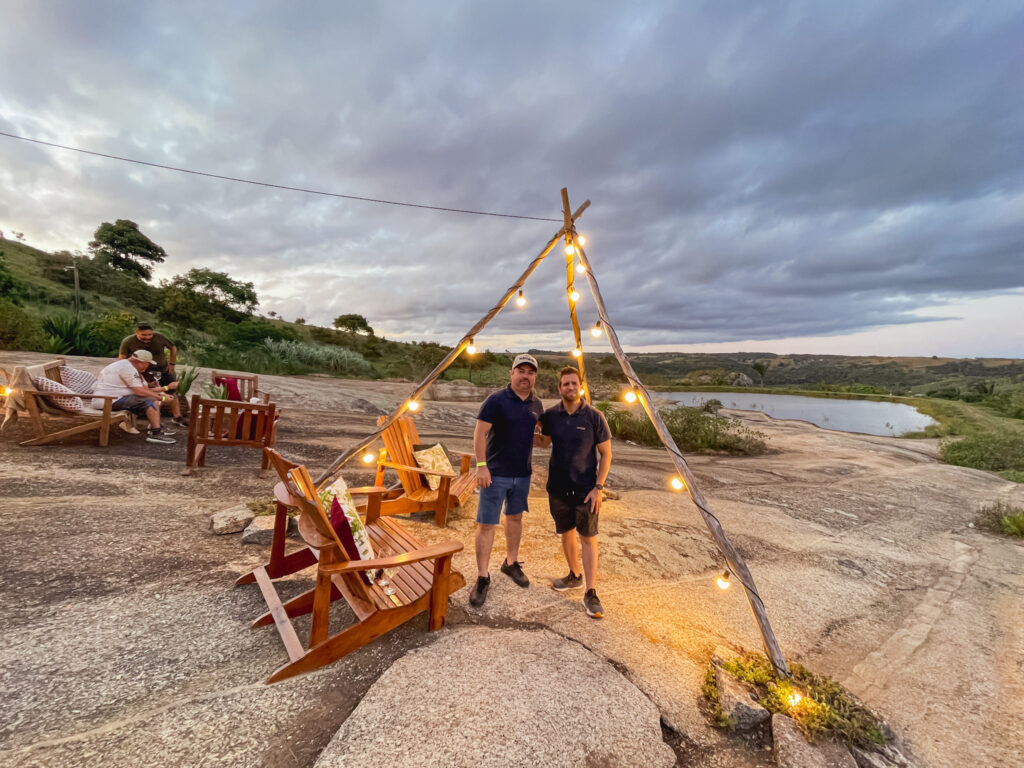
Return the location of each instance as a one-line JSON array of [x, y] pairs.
[[844, 415]]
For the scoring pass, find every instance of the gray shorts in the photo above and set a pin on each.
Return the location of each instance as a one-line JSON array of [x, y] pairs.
[[137, 404]]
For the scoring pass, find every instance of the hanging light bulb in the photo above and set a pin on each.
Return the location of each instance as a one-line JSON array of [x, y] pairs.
[[596, 330], [368, 457], [520, 299], [630, 396], [581, 239], [723, 580], [412, 405], [6, 392], [569, 250], [574, 296], [677, 484], [471, 348], [581, 268], [577, 352]]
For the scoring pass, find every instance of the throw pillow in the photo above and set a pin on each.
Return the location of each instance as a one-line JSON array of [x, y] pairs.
[[338, 491], [80, 381], [230, 383], [436, 459], [70, 404]]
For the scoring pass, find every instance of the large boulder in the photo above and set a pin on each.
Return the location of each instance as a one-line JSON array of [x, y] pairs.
[[259, 531], [231, 520]]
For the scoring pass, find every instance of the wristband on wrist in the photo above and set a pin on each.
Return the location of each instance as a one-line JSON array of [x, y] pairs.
[[481, 463]]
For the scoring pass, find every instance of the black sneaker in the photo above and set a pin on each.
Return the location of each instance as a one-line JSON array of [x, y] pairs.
[[515, 572], [479, 592], [593, 604], [183, 423], [161, 437], [572, 581]]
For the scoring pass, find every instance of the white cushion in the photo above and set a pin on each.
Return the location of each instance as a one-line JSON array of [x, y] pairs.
[[71, 404]]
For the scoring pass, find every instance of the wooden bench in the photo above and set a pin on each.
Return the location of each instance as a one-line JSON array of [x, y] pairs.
[[416, 495], [24, 396], [228, 423], [422, 579]]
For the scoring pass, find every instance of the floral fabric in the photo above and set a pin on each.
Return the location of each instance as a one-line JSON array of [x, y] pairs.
[[347, 506], [436, 459]]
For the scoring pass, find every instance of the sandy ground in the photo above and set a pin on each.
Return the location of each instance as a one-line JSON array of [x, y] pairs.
[[123, 642]]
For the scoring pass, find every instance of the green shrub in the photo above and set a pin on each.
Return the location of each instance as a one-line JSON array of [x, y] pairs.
[[994, 451], [338, 360], [255, 360], [186, 378], [1000, 517], [253, 330], [19, 329], [70, 336], [693, 429], [109, 329]]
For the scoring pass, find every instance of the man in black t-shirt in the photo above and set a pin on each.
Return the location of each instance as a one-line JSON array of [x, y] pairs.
[[578, 434], [165, 354], [503, 444]]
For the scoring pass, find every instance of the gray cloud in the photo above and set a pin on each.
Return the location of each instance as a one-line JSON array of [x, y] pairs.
[[756, 172]]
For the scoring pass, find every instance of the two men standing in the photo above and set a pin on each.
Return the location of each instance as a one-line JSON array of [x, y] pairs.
[[503, 441]]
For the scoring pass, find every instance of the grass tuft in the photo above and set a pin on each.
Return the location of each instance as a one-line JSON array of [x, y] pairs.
[[1001, 518]]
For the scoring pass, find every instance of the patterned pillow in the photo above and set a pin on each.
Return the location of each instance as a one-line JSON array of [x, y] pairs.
[[80, 381], [72, 404], [346, 506], [436, 459]]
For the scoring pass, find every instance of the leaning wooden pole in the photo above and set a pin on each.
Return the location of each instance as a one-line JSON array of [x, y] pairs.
[[570, 287], [732, 557], [331, 472]]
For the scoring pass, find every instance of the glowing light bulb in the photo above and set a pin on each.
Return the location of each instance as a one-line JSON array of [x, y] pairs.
[[471, 348], [412, 405], [795, 698], [677, 484], [581, 268], [577, 352], [6, 392], [596, 331], [581, 239], [368, 458], [723, 580], [574, 296], [569, 250], [630, 396], [520, 299]]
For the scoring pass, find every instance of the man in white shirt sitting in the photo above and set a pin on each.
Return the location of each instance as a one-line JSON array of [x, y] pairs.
[[124, 380]]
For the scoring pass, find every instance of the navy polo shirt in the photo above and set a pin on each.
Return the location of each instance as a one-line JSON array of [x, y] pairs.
[[510, 441], [572, 471]]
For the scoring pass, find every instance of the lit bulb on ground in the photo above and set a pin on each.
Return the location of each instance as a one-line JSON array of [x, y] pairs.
[[596, 331], [577, 352], [368, 458], [723, 580], [520, 300], [630, 397], [412, 405], [574, 296], [795, 698], [677, 484]]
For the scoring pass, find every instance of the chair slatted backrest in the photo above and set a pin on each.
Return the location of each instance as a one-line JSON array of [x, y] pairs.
[[248, 383], [399, 439], [227, 422]]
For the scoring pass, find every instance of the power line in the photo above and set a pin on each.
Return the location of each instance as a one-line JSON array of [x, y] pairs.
[[273, 186]]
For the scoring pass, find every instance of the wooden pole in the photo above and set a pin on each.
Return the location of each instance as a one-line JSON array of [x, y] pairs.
[[732, 557], [570, 280], [331, 472]]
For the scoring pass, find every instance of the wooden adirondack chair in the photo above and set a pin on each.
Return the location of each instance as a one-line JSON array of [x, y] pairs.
[[24, 396], [229, 423], [248, 385], [423, 579], [415, 495]]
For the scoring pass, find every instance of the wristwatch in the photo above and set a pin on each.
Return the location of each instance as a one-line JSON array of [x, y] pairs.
[[599, 487]]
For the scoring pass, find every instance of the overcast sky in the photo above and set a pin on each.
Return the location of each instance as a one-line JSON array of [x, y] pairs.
[[785, 176]]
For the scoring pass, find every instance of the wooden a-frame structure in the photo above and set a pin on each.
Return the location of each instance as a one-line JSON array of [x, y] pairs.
[[574, 249]]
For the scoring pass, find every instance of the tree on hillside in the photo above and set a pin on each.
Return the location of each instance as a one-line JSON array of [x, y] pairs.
[[203, 293], [353, 324], [761, 366], [124, 247]]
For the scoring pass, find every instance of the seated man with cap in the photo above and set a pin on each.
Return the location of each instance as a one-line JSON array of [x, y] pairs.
[[123, 379]]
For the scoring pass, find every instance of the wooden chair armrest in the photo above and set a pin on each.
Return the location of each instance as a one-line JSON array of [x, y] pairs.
[[431, 552], [462, 453], [416, 469], [368, 490], [70, 394]]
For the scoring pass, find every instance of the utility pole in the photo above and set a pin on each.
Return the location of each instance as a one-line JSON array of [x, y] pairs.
[[78, 292]]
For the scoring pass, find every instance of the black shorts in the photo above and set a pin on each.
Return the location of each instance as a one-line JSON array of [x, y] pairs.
[[568, 516]]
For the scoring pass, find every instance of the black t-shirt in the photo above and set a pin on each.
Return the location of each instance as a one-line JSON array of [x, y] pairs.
[[510, 441], [159, 345], [572, 471]]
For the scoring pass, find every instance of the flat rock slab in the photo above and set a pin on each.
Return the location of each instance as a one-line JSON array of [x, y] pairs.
[[231, 520], [792, 750], [259, 531], [498, 697]]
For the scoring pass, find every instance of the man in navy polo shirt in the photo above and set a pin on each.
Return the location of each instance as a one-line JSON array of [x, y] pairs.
[[579, 435], [503, 444]]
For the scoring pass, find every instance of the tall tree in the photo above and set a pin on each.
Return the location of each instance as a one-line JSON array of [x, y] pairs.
[[353, 324], [124, 247], [761, 366], [204, 293]]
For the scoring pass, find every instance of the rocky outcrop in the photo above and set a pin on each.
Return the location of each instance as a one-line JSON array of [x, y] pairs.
[[231, 520]]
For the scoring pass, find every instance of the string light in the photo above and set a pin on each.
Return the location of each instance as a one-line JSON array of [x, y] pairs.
[[520, 299], [723, 580], [574, 296], [596, 330], [577, 352], [794, 698], [7, 391], [581, 268], [412, 405], [569, 250], [368, 457], [581, 239], [630, 396], [677, 484], [471, 348]]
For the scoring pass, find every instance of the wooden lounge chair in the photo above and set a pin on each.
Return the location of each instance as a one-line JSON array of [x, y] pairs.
[[32, 401], [228, 423], [248, 385], [415, 495], [423, 579]]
